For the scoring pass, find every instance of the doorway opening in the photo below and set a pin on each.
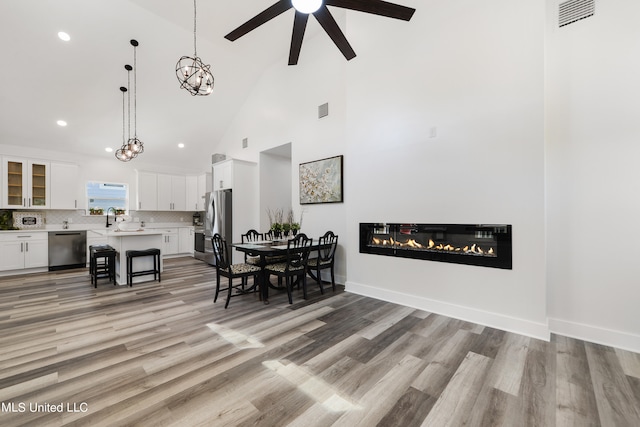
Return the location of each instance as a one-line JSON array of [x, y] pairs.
[[275, 182]]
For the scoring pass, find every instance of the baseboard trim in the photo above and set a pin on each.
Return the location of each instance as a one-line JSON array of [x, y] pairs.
[[468, 314], [595, 334]]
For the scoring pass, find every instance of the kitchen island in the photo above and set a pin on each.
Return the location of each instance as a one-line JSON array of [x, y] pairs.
[[123, 241]]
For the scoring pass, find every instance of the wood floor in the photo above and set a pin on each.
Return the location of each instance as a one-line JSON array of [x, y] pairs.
[[165, 354]]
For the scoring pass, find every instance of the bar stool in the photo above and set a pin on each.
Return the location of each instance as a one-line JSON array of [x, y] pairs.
[[102, 263], [131, 254]]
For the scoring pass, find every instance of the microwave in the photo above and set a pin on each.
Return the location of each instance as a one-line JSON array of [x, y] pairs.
[[28, 220]]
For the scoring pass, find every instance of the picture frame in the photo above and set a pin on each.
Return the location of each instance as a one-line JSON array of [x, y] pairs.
[[321, 181]]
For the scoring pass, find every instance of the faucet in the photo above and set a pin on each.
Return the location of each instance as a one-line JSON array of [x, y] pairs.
[[110, 209]]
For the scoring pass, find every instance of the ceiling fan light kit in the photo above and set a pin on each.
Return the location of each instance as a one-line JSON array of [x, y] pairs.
[[318, 8], [306, 6], [193, 74]]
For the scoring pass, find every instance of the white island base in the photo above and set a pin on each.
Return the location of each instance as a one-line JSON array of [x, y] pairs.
[[123, 241]]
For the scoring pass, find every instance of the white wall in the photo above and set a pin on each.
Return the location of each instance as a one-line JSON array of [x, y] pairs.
[[483, 93], [593, 179], [283, 108]]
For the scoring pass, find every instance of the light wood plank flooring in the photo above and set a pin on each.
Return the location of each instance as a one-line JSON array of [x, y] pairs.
[[165, 354]]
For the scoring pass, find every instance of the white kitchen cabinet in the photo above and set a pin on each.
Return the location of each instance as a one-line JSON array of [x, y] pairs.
[[24, 250], [65, 186], [192, 194], [170, 241], [205, 182], [171, 193], [26, 183], [147, 192], [223, 175], [187, 240]]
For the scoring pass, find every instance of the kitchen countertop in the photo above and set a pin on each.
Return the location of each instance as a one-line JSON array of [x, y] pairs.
[[92, 227]]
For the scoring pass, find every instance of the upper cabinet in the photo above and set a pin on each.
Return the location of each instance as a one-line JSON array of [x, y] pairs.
[[26, 183], [65, 186], [147, 192], [164, 192], [223, 175], [171, 193], [197, 187], [192, 193]]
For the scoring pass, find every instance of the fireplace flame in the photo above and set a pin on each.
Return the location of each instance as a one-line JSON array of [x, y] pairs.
[[432, 246]]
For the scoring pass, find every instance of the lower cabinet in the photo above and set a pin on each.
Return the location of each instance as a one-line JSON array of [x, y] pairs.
[[187, 240], [177, 240], [24, 250], [170, 241]]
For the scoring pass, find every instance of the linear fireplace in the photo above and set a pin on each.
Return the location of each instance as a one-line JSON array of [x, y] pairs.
[[487, 245]]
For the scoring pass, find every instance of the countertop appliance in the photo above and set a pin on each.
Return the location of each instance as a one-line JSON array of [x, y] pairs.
[[67, 249], [218, 217]]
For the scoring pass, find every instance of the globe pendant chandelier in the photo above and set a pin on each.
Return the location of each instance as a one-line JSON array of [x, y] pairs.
[[191, 72]]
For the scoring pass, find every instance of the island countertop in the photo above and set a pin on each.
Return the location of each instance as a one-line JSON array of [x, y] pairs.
[[125, 233]]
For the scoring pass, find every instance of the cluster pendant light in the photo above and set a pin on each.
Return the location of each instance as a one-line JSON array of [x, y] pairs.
[[133, 145], [191, 72]]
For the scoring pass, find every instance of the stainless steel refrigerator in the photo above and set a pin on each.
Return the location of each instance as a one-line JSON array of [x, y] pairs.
[[218, 219]]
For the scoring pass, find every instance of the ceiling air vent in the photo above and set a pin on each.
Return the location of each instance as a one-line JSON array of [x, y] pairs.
[[574, 10]]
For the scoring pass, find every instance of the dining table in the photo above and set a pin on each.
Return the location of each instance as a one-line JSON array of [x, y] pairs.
[[265, 249]]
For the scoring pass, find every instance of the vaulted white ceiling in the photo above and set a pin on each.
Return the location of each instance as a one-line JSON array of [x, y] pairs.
[[45, 79]]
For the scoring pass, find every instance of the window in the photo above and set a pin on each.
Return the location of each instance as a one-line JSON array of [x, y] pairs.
[[104, 195]]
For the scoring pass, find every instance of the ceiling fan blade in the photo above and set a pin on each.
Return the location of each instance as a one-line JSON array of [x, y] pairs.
[[299, 27], [330, 25], [376, 7], [264, 16]]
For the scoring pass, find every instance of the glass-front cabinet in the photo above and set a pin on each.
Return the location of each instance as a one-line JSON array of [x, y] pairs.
[[26, 183]]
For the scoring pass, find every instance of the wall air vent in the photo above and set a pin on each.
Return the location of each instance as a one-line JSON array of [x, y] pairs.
[[574, 10], [323, 110]]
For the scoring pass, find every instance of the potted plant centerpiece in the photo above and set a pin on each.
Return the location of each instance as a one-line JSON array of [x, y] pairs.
[[276, 220], [293, 226]]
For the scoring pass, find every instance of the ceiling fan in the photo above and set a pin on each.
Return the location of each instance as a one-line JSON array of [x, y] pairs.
[[318, 8]]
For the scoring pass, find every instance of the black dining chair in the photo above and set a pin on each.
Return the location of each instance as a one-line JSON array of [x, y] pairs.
[[231, 271], [295, 265], [327, 245], [248, 237]]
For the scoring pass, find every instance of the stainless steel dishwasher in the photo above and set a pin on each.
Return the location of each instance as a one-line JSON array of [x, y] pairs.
[[67, 249]]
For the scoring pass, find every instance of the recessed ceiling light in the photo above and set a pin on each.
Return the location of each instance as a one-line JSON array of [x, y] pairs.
[[61, 123], [109, 150], [64, 36], [181, 145]]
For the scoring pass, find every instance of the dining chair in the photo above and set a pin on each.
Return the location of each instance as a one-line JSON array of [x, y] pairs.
[[327, 245], [251, 236], [295, 265], [231, 271]]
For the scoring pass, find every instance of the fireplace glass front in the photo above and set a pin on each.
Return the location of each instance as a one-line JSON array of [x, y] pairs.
[[487, 245]]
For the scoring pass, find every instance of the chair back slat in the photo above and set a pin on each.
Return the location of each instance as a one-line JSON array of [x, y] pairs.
[[221, 251], [251, 236], [327, 245]]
